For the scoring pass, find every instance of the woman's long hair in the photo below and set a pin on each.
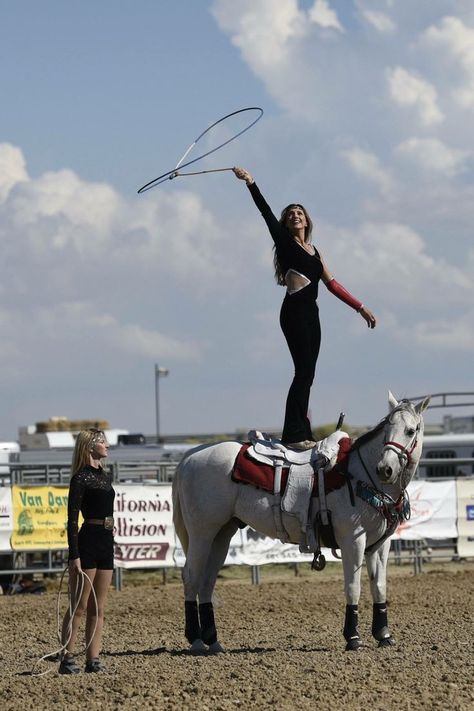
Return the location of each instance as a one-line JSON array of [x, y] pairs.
[[85, 442], [279, 276]]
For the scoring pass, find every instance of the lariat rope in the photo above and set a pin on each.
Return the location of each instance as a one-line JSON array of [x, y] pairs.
[[80, 582], [178, 173]]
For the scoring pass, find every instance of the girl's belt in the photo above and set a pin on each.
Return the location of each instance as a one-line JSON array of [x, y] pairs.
[[107, 522]]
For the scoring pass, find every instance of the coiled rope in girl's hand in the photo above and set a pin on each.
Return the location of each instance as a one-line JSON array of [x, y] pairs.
[[80, 582]]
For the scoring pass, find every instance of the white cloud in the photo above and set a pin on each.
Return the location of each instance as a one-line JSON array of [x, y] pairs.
[[12, 169], [382, 22], [454, 36], [58, 216], [368, 165], [58, 335], [411, 90], [450, 334], [392, 261], [133, 338], [83, 265], [262, 30], [322, 14], [432, 154]]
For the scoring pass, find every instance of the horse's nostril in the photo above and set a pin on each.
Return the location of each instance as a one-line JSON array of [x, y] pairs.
[[388, 472]]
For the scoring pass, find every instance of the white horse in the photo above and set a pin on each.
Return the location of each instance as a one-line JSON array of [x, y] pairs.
[[208, 507]]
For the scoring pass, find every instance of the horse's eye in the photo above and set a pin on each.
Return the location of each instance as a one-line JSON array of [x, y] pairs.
[[410, 431]]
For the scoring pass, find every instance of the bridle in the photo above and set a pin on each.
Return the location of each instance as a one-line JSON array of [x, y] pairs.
[[394, 511], [403, 452]]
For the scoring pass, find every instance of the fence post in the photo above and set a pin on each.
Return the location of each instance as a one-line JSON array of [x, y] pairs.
[[418, 557], [255, 575], [118, 579]]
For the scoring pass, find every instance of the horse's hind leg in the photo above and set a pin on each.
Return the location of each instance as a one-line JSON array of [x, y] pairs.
[[196, 559], [217, 556], [377, 568]]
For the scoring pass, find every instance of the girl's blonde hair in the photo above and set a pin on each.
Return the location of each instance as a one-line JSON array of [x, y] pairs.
[[85, 442]]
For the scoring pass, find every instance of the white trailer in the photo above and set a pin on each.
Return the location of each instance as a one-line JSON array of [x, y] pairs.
[[447, 456]]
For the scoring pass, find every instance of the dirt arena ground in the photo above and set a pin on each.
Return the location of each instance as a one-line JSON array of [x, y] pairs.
[[284, 647]]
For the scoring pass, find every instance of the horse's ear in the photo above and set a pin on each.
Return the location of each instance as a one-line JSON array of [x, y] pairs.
[[392, 401], [421, 407]]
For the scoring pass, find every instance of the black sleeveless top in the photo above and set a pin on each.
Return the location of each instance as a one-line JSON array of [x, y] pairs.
[[91, 493], [289, 253]]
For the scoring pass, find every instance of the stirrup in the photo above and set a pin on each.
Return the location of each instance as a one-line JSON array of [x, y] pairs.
[[319, 561]]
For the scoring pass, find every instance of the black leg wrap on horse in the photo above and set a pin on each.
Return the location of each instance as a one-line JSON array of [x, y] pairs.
[[208, 625], [351, 632], [351, 621], [192, 629], [380, 622]]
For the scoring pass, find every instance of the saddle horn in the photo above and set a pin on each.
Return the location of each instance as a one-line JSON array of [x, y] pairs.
[[340, 420]]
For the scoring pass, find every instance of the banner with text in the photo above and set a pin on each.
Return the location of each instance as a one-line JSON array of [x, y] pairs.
[[39, 518], [248, 547], [433, 511], [6, 518], [465, 496], [34, 518], [144, 533]]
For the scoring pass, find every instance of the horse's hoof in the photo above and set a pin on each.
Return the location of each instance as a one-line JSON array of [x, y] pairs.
[[353, 645], [216, 648], [387, 642], [198, 647]]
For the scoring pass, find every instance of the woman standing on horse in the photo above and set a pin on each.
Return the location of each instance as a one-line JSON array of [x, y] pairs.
[[299, 267]]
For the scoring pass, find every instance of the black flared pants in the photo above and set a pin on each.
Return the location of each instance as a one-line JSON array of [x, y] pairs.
[[299, 321]]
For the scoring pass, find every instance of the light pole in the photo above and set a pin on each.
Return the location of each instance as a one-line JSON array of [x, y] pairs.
[[159, 373]]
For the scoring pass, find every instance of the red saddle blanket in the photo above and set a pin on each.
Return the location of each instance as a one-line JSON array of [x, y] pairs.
[[248, 471]]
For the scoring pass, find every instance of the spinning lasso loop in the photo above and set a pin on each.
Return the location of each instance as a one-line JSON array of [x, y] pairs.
[[174, 173], [81, 578]]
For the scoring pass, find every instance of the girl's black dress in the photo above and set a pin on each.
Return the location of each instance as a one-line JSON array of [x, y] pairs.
[[91, 493]]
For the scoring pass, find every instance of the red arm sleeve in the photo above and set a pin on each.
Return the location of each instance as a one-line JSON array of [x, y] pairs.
[[338, 290]]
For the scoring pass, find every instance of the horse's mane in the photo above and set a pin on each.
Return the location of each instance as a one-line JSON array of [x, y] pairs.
[[368, 436]]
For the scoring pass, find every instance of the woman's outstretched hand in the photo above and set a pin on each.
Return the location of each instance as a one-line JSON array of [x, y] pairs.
[[243, 174], [368, 316]]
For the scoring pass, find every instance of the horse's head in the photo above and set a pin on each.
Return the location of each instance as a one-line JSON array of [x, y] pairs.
[[403, 440]]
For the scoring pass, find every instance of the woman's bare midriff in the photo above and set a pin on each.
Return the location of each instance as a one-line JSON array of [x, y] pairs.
[[295, 281]]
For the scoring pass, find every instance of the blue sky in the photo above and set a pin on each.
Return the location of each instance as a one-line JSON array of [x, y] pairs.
[[99, 86], [368, 121]]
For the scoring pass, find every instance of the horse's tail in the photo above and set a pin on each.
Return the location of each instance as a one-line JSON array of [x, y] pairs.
[[178, 521]]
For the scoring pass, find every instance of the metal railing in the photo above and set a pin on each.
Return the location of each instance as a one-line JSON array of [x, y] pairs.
[[59, 473], [152, 472], [453, 463]]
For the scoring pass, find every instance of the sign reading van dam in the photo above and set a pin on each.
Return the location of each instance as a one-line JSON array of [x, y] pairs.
[[39, 518], [144, 532]]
